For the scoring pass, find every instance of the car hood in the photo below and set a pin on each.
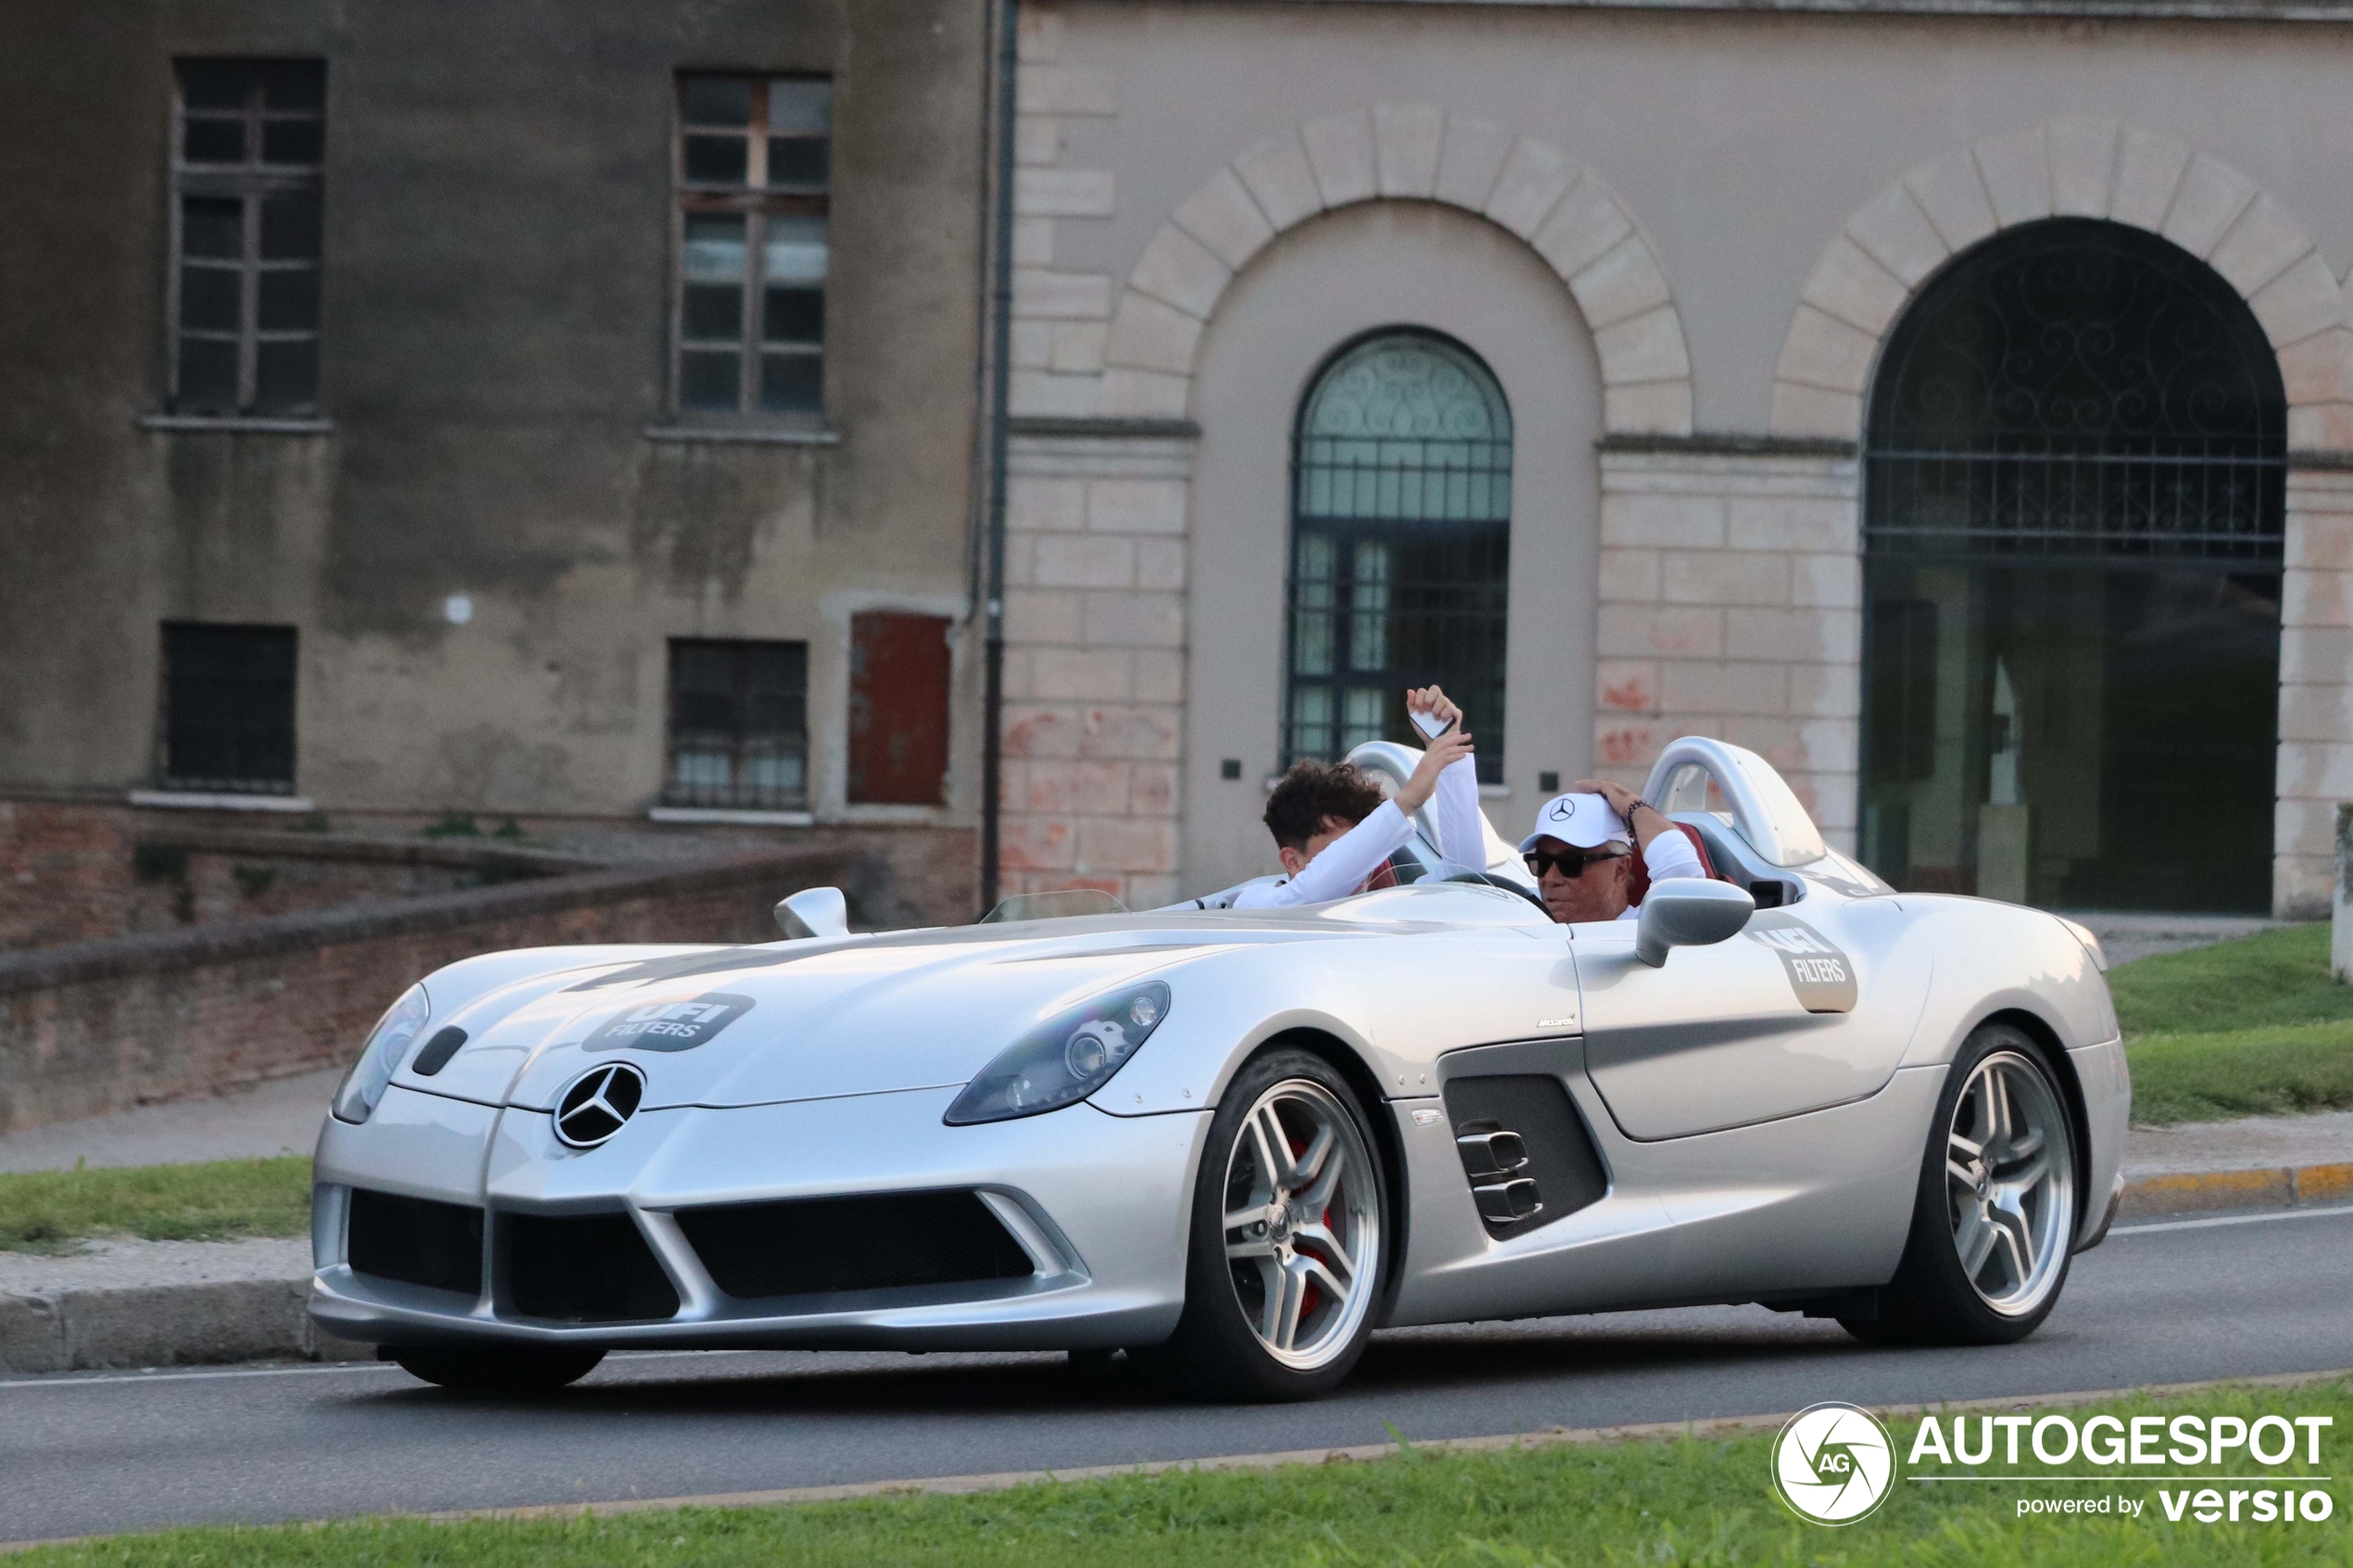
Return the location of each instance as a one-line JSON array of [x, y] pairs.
[[817, 1019]]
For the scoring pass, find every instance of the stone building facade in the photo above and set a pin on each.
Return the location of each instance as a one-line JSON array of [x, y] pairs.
[[1682, 240], [608, 416]]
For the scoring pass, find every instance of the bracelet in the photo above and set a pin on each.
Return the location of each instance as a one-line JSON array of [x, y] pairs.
[[1639, 805]]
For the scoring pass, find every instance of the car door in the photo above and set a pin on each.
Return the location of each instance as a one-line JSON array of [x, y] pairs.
[[1747, 1030]]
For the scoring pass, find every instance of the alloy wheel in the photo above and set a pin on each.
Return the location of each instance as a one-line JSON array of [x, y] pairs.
[[1302, 1223], [2009, 1179]]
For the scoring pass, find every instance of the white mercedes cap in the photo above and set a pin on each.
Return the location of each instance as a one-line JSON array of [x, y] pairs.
[[1583, 821]]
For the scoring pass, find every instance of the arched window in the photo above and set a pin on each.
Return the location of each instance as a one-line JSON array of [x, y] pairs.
[[2074, 505], [1401, 544]]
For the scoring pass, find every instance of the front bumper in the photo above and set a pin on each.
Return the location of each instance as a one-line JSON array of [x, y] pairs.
[[1098, 1203]]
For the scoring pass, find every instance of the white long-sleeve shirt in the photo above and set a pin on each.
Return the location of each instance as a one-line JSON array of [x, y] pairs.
[[1345, 862], [1671, 854]]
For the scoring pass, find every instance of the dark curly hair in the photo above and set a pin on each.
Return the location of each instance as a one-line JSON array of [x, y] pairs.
[[1312, 791]]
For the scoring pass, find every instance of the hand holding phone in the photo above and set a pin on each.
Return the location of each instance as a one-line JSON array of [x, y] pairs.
[[1432, 712]]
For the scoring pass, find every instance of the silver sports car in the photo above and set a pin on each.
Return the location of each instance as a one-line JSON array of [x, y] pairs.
[[1233, 1143]]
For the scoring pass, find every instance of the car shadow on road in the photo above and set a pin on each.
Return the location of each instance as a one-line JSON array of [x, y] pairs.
[[1409, 1361]]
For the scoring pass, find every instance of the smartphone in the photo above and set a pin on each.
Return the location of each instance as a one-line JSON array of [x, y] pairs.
[[1428, 725]]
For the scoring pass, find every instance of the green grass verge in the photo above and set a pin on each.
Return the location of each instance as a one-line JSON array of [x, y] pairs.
[[55, 1211], [2253, 1027], [1691, 1501]]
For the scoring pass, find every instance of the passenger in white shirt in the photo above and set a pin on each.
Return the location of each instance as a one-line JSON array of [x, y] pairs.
[[1581, 853], [1335, 833]]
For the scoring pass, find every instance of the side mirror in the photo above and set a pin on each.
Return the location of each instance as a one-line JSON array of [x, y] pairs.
[[1689, 911], [814, 911]]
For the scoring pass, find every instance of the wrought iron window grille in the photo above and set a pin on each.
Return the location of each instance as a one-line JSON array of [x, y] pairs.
[[739, 725], [1400, 552], [2080, 391]]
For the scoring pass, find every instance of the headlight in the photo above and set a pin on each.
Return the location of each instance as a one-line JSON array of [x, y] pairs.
[[387, 1043], [1064, 1061]]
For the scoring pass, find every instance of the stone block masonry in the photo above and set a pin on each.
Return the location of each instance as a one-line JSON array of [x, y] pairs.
[[2316, 703], [1731, 606], [1095, 611]]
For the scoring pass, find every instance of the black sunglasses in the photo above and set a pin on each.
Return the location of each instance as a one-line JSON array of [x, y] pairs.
[[1570, 863]]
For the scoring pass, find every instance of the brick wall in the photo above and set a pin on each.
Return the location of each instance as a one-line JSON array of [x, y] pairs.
[[97, 1026], [74, 870], [66, 872], [84, 871]]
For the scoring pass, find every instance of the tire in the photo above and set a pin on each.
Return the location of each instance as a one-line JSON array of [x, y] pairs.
[[1991, 1237], [498, 1368], [1278, 1304]]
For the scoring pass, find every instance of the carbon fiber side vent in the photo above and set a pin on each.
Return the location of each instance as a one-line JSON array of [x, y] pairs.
[[1525, 1151]]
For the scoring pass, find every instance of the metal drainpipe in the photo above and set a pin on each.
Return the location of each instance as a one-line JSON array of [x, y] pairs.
[[992, 701]]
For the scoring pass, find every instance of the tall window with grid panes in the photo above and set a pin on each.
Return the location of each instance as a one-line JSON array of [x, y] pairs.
[[754, 166], [1400, 545], [249, 138]]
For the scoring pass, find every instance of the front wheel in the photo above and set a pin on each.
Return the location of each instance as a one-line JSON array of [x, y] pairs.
[[1993, 1223], [501, 1369], [1288, 1227]]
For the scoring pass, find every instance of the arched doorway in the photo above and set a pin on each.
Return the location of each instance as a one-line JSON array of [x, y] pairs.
[[1399, 544], [2075, 493]]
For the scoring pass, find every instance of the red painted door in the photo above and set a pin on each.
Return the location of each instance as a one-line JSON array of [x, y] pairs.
[[898, 708]]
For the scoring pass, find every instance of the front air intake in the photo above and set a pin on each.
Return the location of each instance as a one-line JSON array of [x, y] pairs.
[[415, 1240], [580, 1268], [816, 1246]]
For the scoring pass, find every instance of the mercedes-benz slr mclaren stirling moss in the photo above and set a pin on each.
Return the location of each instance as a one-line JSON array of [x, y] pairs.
[[1237, 1142]]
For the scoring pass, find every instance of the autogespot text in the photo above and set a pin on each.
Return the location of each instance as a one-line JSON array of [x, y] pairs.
[[2066, 1451]]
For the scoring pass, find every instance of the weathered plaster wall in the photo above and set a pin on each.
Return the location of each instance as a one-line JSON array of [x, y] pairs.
[[497, 295]]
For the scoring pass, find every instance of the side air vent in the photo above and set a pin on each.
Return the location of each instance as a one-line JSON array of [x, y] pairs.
[[807, 1247], [1493, 1158], [416, 1241], [1525, 1151], [581, 1267]]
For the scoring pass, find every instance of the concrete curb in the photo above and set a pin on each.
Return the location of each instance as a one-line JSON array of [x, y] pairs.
[[238, 1320], [2276, 1187], [252, 1320]]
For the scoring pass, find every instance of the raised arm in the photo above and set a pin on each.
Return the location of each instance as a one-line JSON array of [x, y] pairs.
[[1341, 868], [1462, 837]]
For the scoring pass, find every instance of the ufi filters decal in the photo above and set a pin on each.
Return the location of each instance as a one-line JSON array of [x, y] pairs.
[[676, 1024], [1820, 971]]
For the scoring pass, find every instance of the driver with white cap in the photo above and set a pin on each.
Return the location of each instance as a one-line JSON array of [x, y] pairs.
[[1581, 853]]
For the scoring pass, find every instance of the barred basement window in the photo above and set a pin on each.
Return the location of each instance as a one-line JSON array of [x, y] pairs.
[[248, 140], [227, 718], [739, 725], [753, 170]]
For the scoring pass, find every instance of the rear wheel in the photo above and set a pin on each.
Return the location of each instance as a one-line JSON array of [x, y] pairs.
[[1288, 1227], [1993, 1223], [502, 1369]]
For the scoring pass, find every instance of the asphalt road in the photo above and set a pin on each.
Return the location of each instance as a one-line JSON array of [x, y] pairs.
[[85, 1454]]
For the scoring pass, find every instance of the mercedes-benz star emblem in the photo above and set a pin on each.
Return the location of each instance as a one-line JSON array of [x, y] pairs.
[[597, 1104]]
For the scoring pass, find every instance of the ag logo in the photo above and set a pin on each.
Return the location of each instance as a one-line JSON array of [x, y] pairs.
[[671, 1026], [1833, 1463]]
